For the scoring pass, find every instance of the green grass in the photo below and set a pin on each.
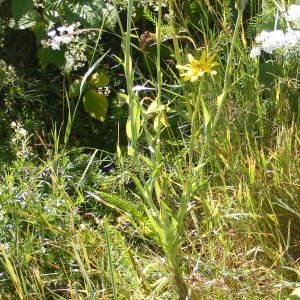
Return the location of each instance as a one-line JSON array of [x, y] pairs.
[[204, 202]]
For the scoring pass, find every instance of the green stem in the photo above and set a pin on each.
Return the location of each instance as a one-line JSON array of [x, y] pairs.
[[228, 70], [221, 100], [174, 29], [159, 81]]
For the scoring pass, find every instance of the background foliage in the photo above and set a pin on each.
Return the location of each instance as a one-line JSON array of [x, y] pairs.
[[121, 181]]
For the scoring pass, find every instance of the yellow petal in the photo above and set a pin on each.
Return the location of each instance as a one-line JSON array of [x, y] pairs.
[[194, 78], [190, 57], [200, 74], [180, 67]]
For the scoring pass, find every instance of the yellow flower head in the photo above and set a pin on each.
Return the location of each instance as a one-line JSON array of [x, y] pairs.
[[197, 68]]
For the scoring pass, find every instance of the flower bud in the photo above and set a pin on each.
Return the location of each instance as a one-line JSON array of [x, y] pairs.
[[240, 4]]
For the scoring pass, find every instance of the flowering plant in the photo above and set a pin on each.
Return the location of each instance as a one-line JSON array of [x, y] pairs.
[[198, 67], [285, 41]]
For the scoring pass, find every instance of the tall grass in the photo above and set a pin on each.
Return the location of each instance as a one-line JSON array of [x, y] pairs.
[[203, 203]]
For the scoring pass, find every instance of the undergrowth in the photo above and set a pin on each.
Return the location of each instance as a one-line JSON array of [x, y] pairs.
[[203, 203]]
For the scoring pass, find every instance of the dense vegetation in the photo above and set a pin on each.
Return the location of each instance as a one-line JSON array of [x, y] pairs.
[[149, 149]]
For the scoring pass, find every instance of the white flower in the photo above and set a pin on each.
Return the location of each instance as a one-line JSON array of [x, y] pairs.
[[255, 52], [52, 33], [293, 14], [270, 41], [264, 35], [13, 124], [58, 39], [292, 38], [70, 29], [55, 46], [275, 40], [66, 39], [23, 131], [62, 29]]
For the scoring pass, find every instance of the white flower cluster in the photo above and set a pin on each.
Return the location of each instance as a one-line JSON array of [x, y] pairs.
[[68, 35], [75, 54], [20, 140], [293, 15], [62, 35], [104, 90], [153, 4], [270, 41]]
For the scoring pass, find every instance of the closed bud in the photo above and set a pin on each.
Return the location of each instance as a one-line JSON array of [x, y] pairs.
[[240, 4]]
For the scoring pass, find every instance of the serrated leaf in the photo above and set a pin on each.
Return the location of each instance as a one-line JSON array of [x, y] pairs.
[[29, 20], [48, 56], [20, 7], [96, 104]]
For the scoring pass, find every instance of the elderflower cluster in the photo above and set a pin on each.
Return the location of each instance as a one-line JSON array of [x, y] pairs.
[[75, 54], [270, 41], [293, 14], [61, 35], [276, 40], [76, 47]]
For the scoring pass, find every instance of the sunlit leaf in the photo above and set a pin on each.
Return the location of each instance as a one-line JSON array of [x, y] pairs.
[[96, 104], [29, 20], [98, 80]]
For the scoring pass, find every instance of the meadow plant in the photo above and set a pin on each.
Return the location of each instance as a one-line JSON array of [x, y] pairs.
[[20, 140], [203, 202], [167, 224], [287, 41]]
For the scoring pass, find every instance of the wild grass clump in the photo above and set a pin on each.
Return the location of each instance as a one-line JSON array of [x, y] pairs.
[[203, 201]]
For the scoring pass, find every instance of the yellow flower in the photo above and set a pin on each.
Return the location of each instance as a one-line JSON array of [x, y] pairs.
[[197, 68]]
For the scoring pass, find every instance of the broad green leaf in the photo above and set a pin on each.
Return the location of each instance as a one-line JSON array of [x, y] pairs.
[[20, 7], [48, 56], [95, 104], [40, 31]]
